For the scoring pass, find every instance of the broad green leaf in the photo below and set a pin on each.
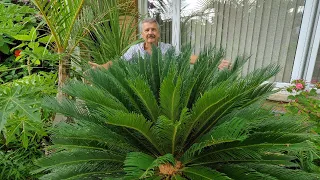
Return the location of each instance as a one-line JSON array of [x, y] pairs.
[[3, 116], [23, 37], [36, 62], [46, 39], [4, 48], [1, 40], [33, 45], [18, 58], [40, 51], [13, 99]]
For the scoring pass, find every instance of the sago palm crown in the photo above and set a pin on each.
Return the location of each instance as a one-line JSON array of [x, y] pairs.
[[159, 118]]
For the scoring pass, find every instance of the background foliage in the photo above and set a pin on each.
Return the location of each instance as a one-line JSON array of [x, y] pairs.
[[24, 47], [24, 123]]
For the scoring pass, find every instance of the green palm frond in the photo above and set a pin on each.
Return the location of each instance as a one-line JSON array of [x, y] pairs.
[[224, 98], [131, 121], [241, 151], [166, 132], [81, 163], [240, 172], [112, 31], [69, 108], [137, 163], [60, 17], [230, 131], [97, 170], [114, 82], [89, 135], [145, 97], [203, 173], [170, 94], [77, 156], [281, 173], [285, 124], [147, 164], [84, 92]]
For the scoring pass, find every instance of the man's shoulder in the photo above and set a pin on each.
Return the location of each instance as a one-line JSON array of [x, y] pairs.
[[136, 46], [132, 51]]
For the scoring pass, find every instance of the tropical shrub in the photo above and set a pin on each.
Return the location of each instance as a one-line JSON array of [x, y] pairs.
[[157, 118], [24, 124], [305, 102]]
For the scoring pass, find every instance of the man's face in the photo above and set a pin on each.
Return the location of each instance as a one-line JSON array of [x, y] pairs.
[[150, 33]]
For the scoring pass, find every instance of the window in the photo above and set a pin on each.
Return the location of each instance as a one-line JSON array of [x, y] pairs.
[[269, 31]]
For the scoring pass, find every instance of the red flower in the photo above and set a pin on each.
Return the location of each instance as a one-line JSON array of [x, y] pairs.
[[299, 86], [17, 52]]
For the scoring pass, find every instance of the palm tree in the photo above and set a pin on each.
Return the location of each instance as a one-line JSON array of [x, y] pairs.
[[157, 118], [112, 37], [69, 21]]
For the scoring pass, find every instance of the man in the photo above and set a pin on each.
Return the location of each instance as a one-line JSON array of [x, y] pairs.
[[151, 35]]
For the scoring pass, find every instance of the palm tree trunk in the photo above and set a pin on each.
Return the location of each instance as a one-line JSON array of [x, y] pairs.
[[63, 76]]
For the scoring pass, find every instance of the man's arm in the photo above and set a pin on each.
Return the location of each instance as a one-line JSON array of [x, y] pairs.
[[95, 65], [223, 64], [126, 56]]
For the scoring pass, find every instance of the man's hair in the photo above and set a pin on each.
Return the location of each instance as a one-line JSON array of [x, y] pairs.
[[150, 20]]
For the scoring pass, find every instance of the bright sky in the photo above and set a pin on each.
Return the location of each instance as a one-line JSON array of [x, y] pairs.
[[188, 6]]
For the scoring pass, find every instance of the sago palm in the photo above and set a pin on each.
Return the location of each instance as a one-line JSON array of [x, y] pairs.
[[159, 118]]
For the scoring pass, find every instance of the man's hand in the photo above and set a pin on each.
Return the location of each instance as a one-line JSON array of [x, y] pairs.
[[224, 64], [193, 59], [95, 65]]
